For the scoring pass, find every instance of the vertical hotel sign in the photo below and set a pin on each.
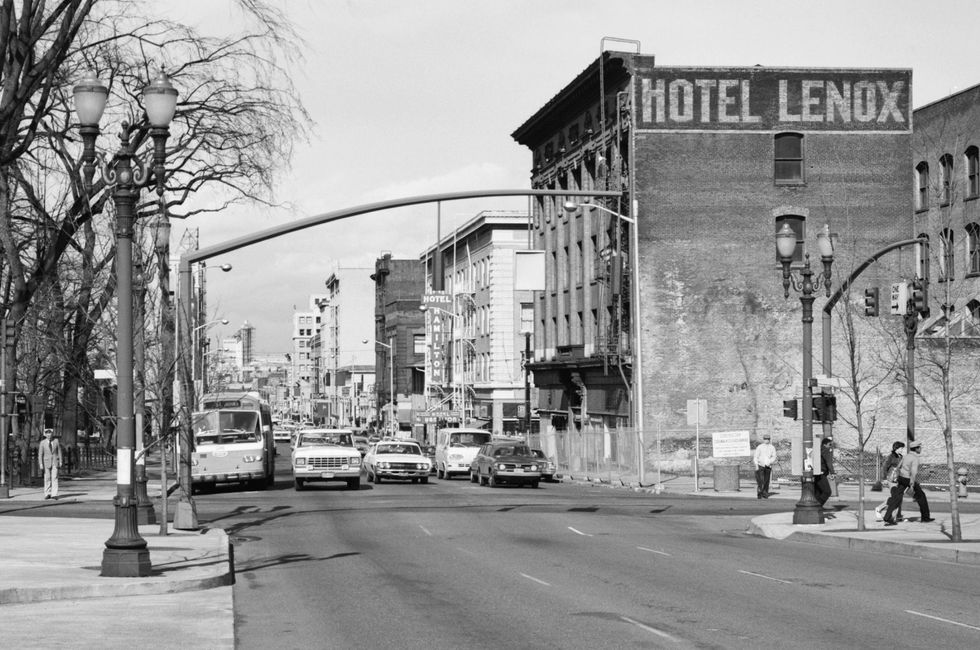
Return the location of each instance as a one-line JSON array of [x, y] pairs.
[[437, 331], [772, 98]]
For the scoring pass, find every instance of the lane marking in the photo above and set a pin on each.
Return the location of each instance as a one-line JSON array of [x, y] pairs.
[[578, 532], [650, 550], [759, 575], [540, 582], [659, 633], [942, 620], [424, 530]]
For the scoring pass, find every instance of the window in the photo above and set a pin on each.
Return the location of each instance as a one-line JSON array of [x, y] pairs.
[[973, 247], [972, 328], [972, 170], [798, 224], [946, 172], [789, 158], [946, 254], [418, 343], [922, 185]]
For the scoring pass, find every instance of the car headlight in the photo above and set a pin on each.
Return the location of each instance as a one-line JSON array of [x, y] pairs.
[[250, 459], [501, 466], [299, 461], [355, 460], [383, 464], [534, 468], [422, 466]]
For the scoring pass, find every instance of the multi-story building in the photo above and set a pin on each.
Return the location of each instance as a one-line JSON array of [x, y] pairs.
[[340, 350], [673, 292], [305, 325], [487, 340], [399, 378]]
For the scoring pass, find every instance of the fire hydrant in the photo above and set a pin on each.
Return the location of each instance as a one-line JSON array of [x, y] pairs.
[[961, 480]]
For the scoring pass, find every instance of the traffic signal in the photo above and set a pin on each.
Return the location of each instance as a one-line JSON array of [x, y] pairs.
[[920, 297], [790, 409], [871, 301], [824, 408]]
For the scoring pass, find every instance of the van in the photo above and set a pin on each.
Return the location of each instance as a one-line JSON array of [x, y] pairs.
[[456, 448]]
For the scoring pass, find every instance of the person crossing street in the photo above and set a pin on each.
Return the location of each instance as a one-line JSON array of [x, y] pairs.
[[49, 459], [764, 457]]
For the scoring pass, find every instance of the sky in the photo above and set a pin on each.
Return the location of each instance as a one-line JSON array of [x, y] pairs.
[[414, 97]]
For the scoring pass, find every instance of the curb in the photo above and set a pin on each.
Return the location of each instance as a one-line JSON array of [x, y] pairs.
[[217, 565]]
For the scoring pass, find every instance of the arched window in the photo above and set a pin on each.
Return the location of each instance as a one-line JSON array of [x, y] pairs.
[[946, 257], [946, 179], [972, 156], [972, 327], [788, 159], [973, 248], [922, 185]]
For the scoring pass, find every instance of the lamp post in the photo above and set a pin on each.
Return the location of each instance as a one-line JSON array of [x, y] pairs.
[[126, 553], [636, 387], [390, 345], [808, 510]]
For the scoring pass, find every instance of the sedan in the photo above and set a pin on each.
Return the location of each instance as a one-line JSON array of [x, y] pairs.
[[397, 459], [499, 463], [548, 467]]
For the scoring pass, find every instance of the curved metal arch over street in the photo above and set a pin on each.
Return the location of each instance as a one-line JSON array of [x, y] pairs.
[[271, 233]]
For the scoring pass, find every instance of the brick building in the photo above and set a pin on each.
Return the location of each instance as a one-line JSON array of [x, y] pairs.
[[710, 163]]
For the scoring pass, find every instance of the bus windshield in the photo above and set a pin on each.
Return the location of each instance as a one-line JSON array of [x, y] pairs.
[[226, 427]]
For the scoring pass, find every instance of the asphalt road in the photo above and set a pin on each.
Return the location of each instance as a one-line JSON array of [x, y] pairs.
[[452, 565]]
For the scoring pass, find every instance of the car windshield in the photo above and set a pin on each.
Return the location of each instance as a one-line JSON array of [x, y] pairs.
[[515, 450], [537, 453], [402, 448], [319, 438], [226, 427], [469, 439]]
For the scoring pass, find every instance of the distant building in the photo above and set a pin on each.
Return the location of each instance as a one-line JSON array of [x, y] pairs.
[[710, 163], [488, 319], [305, 326], [399, 386]]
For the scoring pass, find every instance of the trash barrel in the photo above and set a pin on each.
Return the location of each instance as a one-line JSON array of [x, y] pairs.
[[726, 478]]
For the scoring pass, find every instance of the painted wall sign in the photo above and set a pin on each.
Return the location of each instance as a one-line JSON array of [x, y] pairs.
[[773, 98]]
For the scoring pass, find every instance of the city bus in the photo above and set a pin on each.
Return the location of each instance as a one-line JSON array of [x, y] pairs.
[[233, 441]]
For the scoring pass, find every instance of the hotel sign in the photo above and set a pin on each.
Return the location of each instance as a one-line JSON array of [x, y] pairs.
[[437, 333], [773, 99]]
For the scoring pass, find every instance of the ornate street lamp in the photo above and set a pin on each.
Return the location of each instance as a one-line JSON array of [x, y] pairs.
[[126, 554], [808, 510]]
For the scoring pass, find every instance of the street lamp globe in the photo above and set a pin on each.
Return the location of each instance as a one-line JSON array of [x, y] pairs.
[[160, 100], [785, 242], [91, 96], [824, 243]]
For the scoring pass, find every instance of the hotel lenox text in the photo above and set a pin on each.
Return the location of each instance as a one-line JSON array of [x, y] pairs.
[[764, 99]]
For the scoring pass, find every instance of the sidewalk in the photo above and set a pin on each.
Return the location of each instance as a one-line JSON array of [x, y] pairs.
[[840, 527], [50, 571]]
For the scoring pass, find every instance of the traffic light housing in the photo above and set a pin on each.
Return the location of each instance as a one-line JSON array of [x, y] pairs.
[[790, 409], [824, 408], [920, 297], [871, 301]]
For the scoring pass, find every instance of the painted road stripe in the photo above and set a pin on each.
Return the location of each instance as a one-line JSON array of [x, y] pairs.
[[540, 582], [659, 633], [578, 532], [424, 530], [759, 575], [650, 550], [942, 620]]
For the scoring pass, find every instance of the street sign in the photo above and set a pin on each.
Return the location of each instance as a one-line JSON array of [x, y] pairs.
[[697, 412], [824, 381]]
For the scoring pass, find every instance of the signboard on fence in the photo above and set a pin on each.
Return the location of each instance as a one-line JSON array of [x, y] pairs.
[[730, 444]]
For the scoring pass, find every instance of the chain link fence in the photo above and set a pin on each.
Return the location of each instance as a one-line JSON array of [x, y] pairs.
[[612, 455]]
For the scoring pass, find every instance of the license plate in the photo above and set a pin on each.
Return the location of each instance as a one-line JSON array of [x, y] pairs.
[[326, 474], [518, 470]]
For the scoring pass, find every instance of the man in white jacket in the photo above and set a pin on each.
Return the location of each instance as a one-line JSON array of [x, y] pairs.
[[764, 457]]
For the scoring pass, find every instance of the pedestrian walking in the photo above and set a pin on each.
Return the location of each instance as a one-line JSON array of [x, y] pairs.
[[763, 458], [889, 472], [49, 458], [908, 471], [821, 484]]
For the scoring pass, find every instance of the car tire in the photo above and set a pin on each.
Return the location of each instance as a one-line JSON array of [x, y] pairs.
[[298, 484], [439, 473], [424, 480], [377, 478], [534, 484], [473, 477], [491, 481], [415, 480], [354, 484]]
